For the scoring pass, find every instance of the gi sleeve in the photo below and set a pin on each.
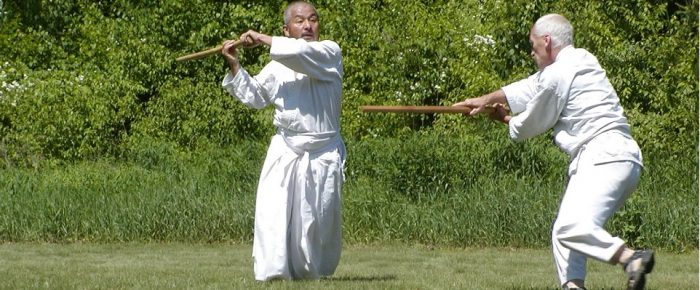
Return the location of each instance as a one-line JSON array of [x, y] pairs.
[[519, 93], [321, 60], [251, 91], [542, 111]]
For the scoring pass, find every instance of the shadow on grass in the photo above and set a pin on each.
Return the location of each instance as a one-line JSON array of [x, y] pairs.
[[554, 288], [357, 278], [350, 278]]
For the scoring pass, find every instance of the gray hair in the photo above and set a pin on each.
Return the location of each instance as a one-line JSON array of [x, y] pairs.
[[287, 10], [557, 27]]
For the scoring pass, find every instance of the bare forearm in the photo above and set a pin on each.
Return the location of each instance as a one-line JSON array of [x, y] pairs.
[[235, 67], [495, 97], [264, 39], [482, 103], [252, 38]]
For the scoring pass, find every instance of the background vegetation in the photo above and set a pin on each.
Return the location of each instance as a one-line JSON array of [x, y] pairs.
[[105, 137]]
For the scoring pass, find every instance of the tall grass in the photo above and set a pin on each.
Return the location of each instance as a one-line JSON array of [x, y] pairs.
[[484, 190], [176, 197], [430, 188]]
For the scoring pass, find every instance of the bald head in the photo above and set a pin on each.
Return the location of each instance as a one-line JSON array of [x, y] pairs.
[[294, 5], [301, 21], [557, 27]]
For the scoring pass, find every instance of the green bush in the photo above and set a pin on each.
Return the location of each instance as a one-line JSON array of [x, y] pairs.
[[84, 81], [396, 52], [66, 115]]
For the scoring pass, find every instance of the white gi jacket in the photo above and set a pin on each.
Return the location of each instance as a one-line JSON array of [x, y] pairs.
[[575, 98], [298, 203]]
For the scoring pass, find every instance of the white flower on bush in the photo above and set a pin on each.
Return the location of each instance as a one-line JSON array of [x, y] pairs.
[[488, 39], [7, 89], [14, 85]]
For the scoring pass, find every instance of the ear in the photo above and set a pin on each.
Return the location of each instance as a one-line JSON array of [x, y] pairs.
[[548, 43], [285, 30]]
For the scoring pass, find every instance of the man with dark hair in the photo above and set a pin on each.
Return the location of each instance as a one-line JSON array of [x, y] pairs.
[[571, 94], [298, 201]]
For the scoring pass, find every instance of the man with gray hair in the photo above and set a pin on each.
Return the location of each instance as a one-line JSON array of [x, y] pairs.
[[298, 202], [571, 94]]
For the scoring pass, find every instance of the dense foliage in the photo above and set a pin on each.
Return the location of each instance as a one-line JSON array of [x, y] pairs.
[[97, 80], [81, 78]]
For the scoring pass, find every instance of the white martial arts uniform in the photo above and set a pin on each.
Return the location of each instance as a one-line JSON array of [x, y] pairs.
[[298, 203], [574, 97]]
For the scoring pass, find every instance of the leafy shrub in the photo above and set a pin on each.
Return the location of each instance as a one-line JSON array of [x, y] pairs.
[[397, 53], [70, 115], [85, 80]]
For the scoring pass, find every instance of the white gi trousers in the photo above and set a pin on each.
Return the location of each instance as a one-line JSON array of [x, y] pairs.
[[602, 176], [298, 208]]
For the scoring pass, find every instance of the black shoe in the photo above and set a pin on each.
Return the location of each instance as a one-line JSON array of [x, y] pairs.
[[575, 288], [635, 277]]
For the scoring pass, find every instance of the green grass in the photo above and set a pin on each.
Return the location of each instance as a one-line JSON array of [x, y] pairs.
[[385, 266], [426, 190]]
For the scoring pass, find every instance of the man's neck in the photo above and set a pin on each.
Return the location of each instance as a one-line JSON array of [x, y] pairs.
[[556, 51]]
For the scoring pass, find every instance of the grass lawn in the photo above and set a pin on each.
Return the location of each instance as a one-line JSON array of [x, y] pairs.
[[229, 266]]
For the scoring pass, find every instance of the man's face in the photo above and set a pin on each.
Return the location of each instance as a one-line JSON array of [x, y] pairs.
[[303, 23], [541, 50]]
